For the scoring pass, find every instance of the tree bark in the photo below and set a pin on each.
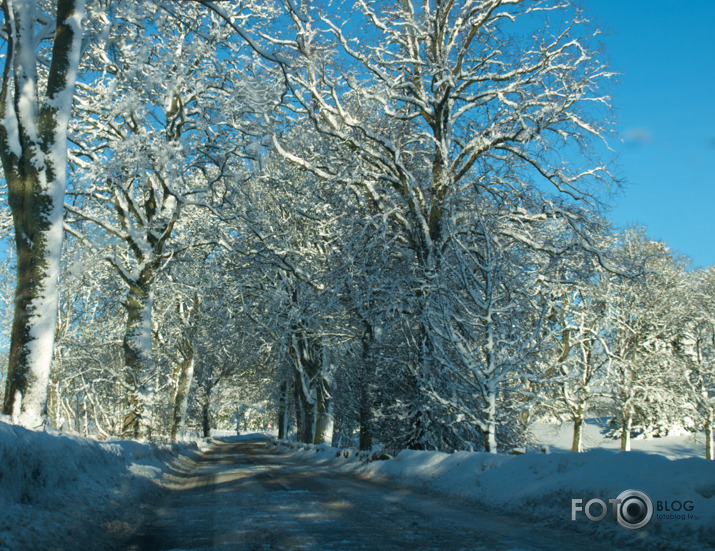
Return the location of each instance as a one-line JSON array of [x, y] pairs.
[[137, 347], [304, 410], [33, 147], [490, 420], [365, 424], [709, 428], [312, 397], [417, 416], [365, 404], [323, 414], [491, 389], [206, 417], [577, 442], [189, 321], [626, 430], [181, 400], [283, 411]]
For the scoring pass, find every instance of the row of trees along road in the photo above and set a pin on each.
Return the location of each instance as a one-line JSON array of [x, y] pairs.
[[377, 217]]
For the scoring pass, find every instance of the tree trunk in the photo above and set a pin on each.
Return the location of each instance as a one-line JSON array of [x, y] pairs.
[[491, 389], [324, 414], [137, 347], [709, 426], [33, 147], [365, 404], [417, 417], [312, 398], [283, 411], [425, 244], [365, 421], [189, 322], [85, 417], [304, 410], [206, 418], [578, 426], [626, 431], [181, 400], [490, 420], [576, 444], [53, 401], [33, 331]]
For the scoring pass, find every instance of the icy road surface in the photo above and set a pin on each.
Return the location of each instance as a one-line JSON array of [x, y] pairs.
[[245, 495]]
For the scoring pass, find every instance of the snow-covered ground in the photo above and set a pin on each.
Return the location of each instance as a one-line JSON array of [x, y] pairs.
[[559, 437], [540, 487], [57, 491]]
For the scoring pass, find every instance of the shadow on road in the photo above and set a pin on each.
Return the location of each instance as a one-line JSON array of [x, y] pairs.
[[245, 495]]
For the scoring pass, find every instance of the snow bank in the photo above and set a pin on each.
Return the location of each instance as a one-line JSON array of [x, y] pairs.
[[59, 490], [540, 487]]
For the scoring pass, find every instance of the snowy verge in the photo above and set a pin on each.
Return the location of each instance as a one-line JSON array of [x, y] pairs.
[[540, 487], [60, 490]]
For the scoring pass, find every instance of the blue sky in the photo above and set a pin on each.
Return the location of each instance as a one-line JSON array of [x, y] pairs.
[[664, 101]]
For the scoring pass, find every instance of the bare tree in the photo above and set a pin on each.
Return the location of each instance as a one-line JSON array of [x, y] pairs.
[[578, 311], [696, 346], [425, 98], [160, 136], [643, 320]]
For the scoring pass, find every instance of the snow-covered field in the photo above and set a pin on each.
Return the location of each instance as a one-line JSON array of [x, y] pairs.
[[59, 491], [559, 437]]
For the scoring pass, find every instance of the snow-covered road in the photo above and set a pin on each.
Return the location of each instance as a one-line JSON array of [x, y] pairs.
[[246, 495]]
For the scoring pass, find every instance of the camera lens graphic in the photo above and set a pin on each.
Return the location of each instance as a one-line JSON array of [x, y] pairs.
[[634, 510]]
